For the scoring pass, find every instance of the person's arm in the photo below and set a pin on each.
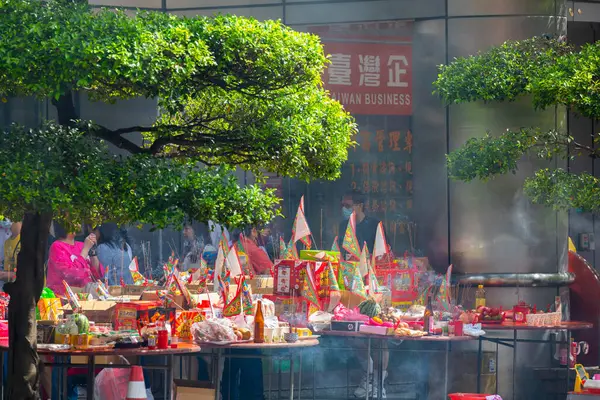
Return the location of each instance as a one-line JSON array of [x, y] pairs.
[[95, 267], [64, 265]]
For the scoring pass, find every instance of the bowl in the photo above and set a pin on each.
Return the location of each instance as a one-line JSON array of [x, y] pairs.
[[291, 337]]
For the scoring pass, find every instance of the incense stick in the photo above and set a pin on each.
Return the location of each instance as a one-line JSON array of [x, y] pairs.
[[321, 228], [212, 310]]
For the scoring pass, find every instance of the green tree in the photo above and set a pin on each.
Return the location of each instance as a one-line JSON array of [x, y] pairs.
[[551, 73], [232, 92]]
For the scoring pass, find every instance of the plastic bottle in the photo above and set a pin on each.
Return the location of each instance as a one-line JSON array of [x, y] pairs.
[[480, 297], [259, 324], [162, 337], [152, 341], [573, 356]]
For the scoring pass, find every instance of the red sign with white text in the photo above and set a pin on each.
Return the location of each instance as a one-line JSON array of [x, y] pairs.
[[370, 78]]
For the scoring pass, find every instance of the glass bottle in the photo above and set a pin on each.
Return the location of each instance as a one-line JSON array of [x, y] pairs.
[[428, 316], [259, 324]]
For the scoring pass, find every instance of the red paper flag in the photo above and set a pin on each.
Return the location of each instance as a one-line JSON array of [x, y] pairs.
[[310, 290], [300, 229], [350, 243], [234, 307]]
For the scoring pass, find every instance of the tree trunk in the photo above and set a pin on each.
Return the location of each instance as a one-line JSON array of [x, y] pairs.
[[23, 360]]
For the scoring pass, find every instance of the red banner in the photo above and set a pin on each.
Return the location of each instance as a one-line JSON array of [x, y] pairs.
[[370, 78]]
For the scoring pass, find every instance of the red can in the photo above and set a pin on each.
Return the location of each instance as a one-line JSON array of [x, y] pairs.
[[163, 339]]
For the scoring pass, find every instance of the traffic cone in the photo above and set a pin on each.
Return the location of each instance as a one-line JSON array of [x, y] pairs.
[[137, 388]]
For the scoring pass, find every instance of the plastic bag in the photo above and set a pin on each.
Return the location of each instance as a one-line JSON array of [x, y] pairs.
[[213, 330], [320, 317], [270, 322], [111, 384], [47, 293], [49, 309], [342, 313]]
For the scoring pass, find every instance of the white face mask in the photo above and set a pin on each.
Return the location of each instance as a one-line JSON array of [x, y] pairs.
[[346, 212]]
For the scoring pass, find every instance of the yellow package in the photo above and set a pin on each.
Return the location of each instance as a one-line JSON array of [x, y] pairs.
[[49, 309]]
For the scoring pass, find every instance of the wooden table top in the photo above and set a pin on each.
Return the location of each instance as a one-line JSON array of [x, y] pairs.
[[182, 348], [390, 337], [266, 346], [511, 326]]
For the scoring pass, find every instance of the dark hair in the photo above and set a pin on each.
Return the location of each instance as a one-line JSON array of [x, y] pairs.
[[113, 236], [59, 231], [357, 197], [247, 232]]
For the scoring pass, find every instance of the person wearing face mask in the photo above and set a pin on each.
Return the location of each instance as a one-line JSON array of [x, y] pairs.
[[366, 226], [366, 230]]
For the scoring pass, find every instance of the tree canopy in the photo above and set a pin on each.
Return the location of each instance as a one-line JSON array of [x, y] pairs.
[[551, 73], [71, 175], [232, 91]]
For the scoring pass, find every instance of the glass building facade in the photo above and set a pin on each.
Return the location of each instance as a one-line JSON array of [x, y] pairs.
[[384, 57]]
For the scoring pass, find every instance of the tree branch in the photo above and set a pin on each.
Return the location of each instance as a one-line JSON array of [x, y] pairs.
[[117, 140]]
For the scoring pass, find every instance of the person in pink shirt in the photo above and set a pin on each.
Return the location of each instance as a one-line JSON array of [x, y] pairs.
[[72, 261], [257, 256]]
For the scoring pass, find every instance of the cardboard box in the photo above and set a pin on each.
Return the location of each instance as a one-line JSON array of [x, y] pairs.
[[95, 310], [151, 295], [287, 276], [155, 314], [403, 284], [135, 290], [376, 330], [350, 300], [193, 390], [199, 298], [126, 314], [115, 290], [320, 255], [284, 306], [261, 284]]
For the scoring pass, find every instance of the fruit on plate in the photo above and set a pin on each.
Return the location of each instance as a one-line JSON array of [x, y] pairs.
[[409, 332], [487, 314], [242, 333], [369, 307], [391, 315]]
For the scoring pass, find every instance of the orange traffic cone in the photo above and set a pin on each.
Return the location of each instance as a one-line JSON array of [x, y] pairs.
[[136, 389]]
